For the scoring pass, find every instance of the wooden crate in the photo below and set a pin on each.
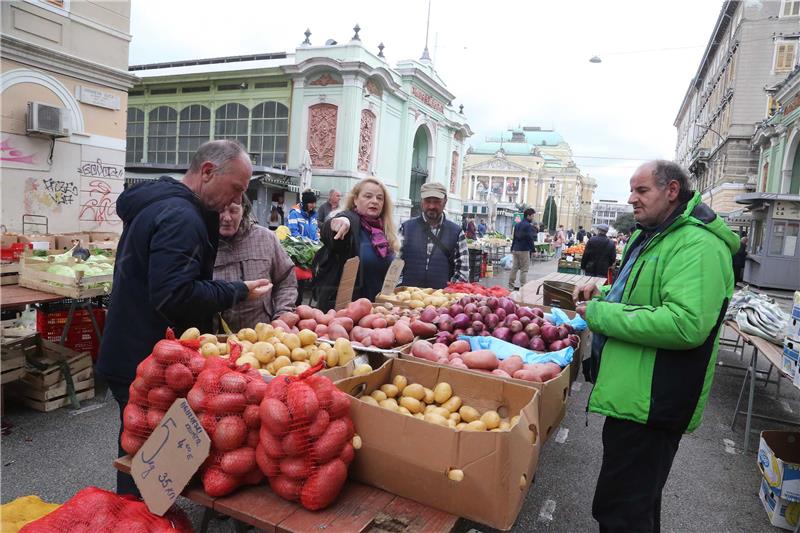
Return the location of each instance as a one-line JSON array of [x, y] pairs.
[[33, 274], [44, 387], [9, 273], [13, 351]]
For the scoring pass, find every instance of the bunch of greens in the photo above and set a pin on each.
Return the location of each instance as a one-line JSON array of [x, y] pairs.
[[301, 250]]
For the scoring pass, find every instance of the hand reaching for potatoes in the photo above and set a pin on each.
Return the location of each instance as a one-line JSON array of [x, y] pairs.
[[340, 226], [258, 288]]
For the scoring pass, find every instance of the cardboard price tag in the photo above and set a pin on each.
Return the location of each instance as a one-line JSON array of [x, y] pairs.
[[392, 276], [347, 283], [170, 457]]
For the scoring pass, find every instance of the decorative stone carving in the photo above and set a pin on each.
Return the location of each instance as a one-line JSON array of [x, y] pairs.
[[374, 88], [322, 134], [459, 136], [427, 99], [325, 80], [453, 171], [499, 164], [366, 139]]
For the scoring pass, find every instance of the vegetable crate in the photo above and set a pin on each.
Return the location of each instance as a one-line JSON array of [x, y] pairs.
[[81, 336], [34, 274], [9, 273], [49, 369], [12, 358]]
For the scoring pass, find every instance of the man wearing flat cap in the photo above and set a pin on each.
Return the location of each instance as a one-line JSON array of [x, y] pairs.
[[434, 248], [302, 220], [600, 253]]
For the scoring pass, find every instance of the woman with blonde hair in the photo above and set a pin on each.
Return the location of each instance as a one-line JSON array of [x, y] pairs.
[[364, 229]]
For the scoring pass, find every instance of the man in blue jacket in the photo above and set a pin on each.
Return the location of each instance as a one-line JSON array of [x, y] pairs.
[[165, 264], [521, 248], [302, 220]]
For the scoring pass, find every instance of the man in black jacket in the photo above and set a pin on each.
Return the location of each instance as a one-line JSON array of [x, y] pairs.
[[600, 253], [524, 237], [165, 263]]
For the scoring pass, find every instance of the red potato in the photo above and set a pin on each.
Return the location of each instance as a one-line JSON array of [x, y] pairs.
[[458, 363], [209, 423], [255, 390], [324, 485], [402, 333], [366, 322], [274, 416], [345, 322], [480, 360], [218, 483], [277, 388], [298, 468], [130, 442], [440, 350], [178, 377], [285, 487], [152, 372], [320, 424], [302, 402], [379, 323], [226, 403], [319, 316], [424, 350], [528, 375], [382, 338], [459, 347], [511, 364], [290, 318], [295, 443], [423, 329], [321, 330], [443, 360], [340, 313], [134, 419], [230, 433], [238, 462], [271, 445], [340, 404], [308, 323], [278, 323], [269, 466], [348, 453], [359, 309], [253, 477], [337, 331], [161, 397], [233, 382], [305, 312], [391, 320], [323, 388], [500, 372], [367, 341], [252, 417], [359, 333], [330, 443], [252, 439]]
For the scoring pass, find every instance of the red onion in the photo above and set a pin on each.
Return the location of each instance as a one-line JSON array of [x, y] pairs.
[[445, 324], [563, 332], [525, 312], [457, 332], [428, 315], [461, 320], [456, 309], [520, 339], [478, 326], [470, 308], [556, 346], [502, 334], [501, 313], [525, 320], [539, 321], [549, 333], [538, 312], [492, 302], [515, 326], [476, 317], [574, 340], [509, 305], [469, 331], [484, 310], [532, 330], [536, 344], [491, 320]]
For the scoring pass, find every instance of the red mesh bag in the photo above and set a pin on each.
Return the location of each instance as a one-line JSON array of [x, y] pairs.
[[305, 438], [166, 374], [94, 510], [226, 399]]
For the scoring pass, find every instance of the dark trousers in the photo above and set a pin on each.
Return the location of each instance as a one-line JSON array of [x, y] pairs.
[[636, 464], [125, 483]]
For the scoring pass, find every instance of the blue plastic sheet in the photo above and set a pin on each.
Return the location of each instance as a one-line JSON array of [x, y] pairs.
[[558, 317], [503, 350]]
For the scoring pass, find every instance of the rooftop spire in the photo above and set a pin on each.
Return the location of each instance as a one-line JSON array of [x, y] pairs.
[[425, 55]]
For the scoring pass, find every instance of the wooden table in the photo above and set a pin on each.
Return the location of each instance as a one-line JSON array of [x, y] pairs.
[[774, 355], [358, 508], [14, 296], [531, 292]]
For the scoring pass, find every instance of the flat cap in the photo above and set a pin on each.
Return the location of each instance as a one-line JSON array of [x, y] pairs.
[[433, 190]]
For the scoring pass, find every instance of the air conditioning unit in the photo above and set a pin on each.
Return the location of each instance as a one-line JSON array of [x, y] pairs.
[[47, 120]]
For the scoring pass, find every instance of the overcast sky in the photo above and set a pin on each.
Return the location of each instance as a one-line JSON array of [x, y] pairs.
[[521, 62]]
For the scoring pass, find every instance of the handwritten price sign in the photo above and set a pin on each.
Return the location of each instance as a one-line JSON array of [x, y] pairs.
[[170, 457]]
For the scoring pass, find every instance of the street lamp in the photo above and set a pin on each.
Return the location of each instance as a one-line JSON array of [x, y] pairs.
[[709, 128]]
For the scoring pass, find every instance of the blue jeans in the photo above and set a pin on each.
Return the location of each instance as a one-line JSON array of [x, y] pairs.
[[558, 252]]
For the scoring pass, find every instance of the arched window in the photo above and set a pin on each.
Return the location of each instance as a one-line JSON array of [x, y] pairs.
[[162, 135], [270, 134], [134, 150], [193, 130], [231, 123]]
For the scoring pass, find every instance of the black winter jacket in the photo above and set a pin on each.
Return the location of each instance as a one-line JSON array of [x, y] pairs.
[[329, 261], [163, 274], [598, 256]]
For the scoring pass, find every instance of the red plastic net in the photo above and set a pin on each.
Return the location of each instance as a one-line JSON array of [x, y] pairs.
[[94, 510], [305, 438], [165, 375], [226, 399]]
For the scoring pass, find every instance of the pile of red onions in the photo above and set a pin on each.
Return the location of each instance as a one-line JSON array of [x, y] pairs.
[[501, 318]]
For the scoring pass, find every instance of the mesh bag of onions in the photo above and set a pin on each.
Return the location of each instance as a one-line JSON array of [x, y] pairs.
[[94, 510], [226, 399], [164, 375], [305, 438]]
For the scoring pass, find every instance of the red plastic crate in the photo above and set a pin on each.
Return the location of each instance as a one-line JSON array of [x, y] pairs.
[[81, 335], [15, 251]]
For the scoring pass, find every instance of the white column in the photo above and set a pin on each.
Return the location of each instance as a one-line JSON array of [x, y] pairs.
[[505, 184], [524, 189]]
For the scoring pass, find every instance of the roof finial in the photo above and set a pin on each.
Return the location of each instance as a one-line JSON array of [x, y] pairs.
[[307, 34], [380, 50], [461, 109], [425, 55], [356, 29]]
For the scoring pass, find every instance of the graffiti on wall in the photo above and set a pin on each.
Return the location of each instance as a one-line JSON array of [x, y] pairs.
[[19, 151], [99, 169], [99, 202], [49, 195], [10, 154]]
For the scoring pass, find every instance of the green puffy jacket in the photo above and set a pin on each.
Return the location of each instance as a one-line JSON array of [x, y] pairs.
[[658, 362]]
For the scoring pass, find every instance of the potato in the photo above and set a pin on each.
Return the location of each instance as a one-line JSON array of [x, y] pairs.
[[476, 425], [453, 404], [291, 341], [209, 349], [379, 395], [442, 392], [390, 390], [287, 370], [301, 366], [190, 334], [461, 425], [315, 357], [414, 390], [271, 368], [250, 359], [299, 354], [435, 409], [357, 442], [207, 338], [419, 415], [389, 403], [332, 359], [282, 350], [455, 416], [223, 348], [504, 425], [468, 414], [362, 370], [455, 475], [264, 352], [307, 337], [264, 331], [514, 420], [434, 418], [345, 350], [247, 346], [403, 411], [400, 382], [370, 400], [451, 423], [281, 361], [273, 340], [264, 373], [491, 419], [412, 404], [428, 395]]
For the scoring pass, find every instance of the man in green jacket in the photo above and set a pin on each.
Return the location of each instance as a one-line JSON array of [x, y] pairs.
[[654, 346]]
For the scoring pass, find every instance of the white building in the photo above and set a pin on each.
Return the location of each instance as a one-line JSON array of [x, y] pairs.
[[607, 211]]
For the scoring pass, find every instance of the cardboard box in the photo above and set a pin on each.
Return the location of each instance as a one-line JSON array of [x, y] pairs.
[[552, 400], [781, 513], [794, 322], [64, 242], [96, 236], [779, 462], [411, 458], [791, 354], [7, 239], [39, 238]]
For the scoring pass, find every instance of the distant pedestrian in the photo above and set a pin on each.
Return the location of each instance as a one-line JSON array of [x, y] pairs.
[[472, 231], [482, 228], [580, 235], [521, 247], [600, 254], [558, 241], [739, 260], [331, 205]]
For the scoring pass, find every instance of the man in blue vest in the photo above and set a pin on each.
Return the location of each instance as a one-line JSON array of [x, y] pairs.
[[434, 248]]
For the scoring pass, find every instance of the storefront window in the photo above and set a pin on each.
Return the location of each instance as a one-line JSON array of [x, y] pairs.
[[194, 129], [231, 123], [162, 131], [135, 147], [784, 238], [270, 131], [757, 238]]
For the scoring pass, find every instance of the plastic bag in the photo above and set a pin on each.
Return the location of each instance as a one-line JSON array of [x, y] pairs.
[[558, 317], [306, 438], [94, 510], [166, 374], [503, 350], [507, 261], [23, 510], [226, 399]]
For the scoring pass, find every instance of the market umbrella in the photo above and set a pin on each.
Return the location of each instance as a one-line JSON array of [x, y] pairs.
[[305, 172]]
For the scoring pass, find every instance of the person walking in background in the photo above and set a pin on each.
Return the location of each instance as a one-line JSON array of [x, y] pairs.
[[739, 260], [521, 247], [331, 205], [472, 230], [364, 229], [558, 242], [600, 253], [482, 228], [303, 217], [580, 235]]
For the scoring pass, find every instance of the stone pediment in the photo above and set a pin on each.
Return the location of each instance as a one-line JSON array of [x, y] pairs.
[[499, 164]]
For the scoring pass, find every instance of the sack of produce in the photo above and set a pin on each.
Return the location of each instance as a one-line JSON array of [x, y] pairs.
[[226, 399], [165, 375], [306, 438], [94, 510]]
